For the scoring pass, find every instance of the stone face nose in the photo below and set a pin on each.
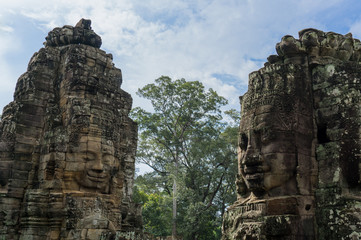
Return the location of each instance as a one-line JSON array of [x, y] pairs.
[[252, 154], [251, 160], [97, 165]]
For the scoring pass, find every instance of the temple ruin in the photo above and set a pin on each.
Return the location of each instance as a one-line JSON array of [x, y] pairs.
[[67, 145], [299, 143]]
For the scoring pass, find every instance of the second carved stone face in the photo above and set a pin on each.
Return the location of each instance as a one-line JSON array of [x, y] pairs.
[[267, 159], [267, 152]]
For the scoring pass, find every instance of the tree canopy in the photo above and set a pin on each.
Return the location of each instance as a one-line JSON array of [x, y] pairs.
[[192, 150]]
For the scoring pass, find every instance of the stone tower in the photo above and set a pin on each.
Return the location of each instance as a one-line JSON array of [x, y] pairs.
[[300, 143], [67, 145]]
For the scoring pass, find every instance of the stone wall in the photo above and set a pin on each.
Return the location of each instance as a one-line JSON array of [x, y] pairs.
[[299, 143], [67, 145]]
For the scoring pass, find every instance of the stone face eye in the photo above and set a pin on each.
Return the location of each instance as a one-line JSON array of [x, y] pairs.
[[87, 157], [243, 141], [267, 135]]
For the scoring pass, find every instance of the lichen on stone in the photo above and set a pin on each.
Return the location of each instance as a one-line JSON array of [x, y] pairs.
[[306, 166], [67, 145]]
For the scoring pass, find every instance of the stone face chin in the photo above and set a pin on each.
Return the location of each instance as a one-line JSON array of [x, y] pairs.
[[300, 143], [67, 145]]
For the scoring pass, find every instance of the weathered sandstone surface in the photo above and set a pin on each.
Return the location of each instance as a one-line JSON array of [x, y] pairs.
[[300, 143], [67, 145]]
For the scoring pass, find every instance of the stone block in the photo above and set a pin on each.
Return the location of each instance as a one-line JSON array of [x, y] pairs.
[[21, 175], [94, 234], [282, 206]]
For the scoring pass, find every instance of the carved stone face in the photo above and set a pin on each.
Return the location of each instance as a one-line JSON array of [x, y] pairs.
[[268, 157], [97, 163]]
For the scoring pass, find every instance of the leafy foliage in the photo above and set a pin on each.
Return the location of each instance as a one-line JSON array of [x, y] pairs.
[[186, 141], [157, 215]]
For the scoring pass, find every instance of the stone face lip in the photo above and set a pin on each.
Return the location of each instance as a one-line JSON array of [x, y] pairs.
[[82, 33]]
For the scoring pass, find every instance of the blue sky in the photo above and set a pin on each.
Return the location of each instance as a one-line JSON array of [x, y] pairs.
[[218, 42]]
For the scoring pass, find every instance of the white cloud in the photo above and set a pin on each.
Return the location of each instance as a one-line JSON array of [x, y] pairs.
[[8, 78], [195, 40], [355, 29], [190, 39], [7, 29]]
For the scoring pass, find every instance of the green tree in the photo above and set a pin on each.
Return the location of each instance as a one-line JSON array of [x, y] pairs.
[[157, 214], [209, 180], [191, 151]]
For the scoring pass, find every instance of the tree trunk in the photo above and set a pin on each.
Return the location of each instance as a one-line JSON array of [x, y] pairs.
[[174, 222], [174, 225]]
